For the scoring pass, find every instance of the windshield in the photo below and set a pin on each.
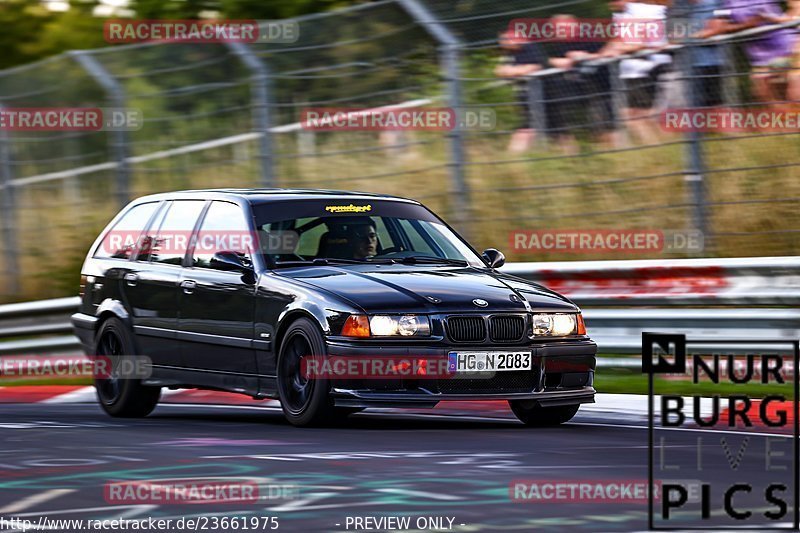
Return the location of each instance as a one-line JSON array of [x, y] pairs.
[[358, 232]]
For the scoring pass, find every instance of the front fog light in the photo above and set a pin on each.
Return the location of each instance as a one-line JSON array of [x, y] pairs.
[[382, 325]]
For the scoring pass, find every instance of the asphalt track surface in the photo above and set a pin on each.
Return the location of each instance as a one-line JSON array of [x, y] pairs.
[[454, 463]]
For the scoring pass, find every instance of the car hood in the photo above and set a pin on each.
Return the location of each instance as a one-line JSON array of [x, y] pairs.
[[433, 289]]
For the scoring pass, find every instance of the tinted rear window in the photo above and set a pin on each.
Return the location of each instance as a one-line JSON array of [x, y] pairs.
[[121, 240], [173, 237]]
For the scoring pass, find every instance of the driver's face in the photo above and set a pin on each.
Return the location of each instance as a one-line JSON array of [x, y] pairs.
[[365, 242]]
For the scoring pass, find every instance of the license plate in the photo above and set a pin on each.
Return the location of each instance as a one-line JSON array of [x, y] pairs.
[[488, 361]]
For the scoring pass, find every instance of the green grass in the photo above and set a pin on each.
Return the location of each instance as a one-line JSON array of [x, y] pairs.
[[632, 381]]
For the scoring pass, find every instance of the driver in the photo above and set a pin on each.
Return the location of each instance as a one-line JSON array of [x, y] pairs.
[[363, 238]]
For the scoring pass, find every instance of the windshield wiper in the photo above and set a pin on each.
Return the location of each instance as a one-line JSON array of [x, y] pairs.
[[412, 259], [322, 261], [335, 260]]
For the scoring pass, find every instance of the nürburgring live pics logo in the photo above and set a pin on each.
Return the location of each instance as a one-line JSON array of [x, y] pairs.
[[727, 454]]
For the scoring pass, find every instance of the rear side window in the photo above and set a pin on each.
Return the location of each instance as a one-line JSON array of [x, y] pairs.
[[224, 229], [120, 241], [173, 237]]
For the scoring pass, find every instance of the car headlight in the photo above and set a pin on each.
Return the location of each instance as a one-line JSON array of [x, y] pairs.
[[558, 324], [387, 326], [403, 325]]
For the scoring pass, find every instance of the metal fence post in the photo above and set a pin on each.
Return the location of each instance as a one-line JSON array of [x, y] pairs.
[[450, 58], [695, 163], [11, 251], [119, 138], [730, 83], [619, 102], [536, 110], [260, 96]]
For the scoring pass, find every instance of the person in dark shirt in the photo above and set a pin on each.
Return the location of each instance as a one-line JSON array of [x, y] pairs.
[[585, 90], [522, 59], [561, 103]]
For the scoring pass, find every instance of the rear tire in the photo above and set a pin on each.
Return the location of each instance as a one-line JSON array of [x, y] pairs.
[[122, 398], [305, 402], [532, 415]]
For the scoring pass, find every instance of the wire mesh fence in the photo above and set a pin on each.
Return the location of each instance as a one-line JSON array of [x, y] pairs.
[[580, 139]]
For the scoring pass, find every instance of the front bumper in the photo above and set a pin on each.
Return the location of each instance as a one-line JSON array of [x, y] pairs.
[[562, 374]]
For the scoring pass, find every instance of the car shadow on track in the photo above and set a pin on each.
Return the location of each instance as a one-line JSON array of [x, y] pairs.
[[366, 421]]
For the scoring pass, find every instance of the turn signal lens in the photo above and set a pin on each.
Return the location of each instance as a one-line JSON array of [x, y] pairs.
[[356, 326], [581, 325]]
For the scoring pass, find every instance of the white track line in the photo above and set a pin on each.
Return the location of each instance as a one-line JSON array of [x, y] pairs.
[[34, 499]]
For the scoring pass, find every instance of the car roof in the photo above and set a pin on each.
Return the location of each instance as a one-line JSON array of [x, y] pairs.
[[261, 196]]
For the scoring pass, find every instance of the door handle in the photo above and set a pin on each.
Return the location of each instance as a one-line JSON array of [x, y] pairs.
[[131, 279], [188, 286]]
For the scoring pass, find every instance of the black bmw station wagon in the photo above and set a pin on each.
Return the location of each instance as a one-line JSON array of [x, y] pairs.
[[242, 290]]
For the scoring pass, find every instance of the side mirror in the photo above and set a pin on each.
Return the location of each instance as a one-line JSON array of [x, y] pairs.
[[229, 261], [494, 257]]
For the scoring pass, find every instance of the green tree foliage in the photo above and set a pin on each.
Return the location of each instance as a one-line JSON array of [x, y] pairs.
[[275, 9], [31, 32], [22, 22], [74, 29]]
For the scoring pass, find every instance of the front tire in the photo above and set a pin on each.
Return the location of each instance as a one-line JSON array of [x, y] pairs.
[[533, 415], [305, 402], [120, 397]]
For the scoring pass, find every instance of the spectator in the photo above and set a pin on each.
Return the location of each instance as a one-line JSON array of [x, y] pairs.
[[793, 91], [794, 75], [705, 60], [640, 74], [591, 82], [770, 55], [522, 59], [560, 92]]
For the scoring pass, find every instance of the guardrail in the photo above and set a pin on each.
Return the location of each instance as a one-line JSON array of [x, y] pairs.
[[756, 281], [38, 327], [601, 287]]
